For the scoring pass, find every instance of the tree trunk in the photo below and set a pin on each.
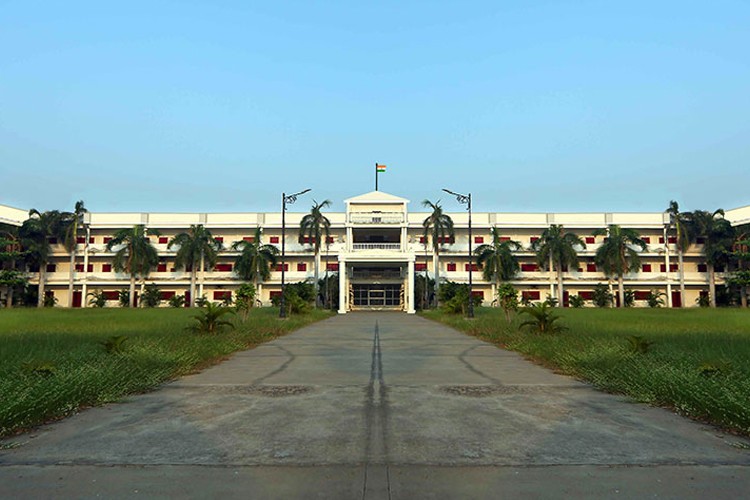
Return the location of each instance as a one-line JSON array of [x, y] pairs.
[[9, 297], [560, 284], [743, 296], [132, 291], [42, 282], [436, 269], [71, 275], [621, 290], [316, 271], [711, 285], [551, 277], [193, 272], [682, 277], [495, 289], [143, 286], [203, 274]]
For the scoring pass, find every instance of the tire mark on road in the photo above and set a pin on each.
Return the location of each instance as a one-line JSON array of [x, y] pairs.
[[291, 357]]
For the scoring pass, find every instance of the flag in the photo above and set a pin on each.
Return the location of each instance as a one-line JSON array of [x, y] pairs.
[[379, 168]]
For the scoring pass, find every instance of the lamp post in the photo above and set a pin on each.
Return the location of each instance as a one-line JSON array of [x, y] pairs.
[[465, 199], [290, 199]]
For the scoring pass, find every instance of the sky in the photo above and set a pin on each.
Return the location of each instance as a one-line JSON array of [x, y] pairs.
[[542, 106]]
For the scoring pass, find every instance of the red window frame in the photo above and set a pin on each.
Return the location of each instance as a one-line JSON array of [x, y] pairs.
[[591, 268], [106, 268], [223, 268], [646, 268], [106, 240], [301, 266], [167, 295], [647, 239], [274, 239], [586, 295], [161, 268], [474, 267], [641, 295], [286, 267], [590, 240], [451, 266], [163, 240], [51, 268], [249, 239], [420, 266], [531, 295], [702, 268], [222, 294], [529, 267], [219, 239], [111, 295], [332, 266], [478, 239]]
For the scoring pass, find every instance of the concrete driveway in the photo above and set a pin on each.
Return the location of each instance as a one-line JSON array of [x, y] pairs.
[[375, 405]]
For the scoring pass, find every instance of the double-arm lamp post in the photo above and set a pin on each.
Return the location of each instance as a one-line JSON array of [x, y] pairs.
[[465, 199], [290, 199]]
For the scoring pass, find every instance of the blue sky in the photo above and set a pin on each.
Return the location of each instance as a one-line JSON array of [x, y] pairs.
[[531, 106]]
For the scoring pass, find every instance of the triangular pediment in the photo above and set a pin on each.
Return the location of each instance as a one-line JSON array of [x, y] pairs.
[[376, 197]]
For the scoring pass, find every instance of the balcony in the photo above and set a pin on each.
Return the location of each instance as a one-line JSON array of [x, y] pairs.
[[377, 274], [376, 246], [376, 217]]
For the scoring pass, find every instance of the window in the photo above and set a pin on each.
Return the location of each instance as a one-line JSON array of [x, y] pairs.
[[222, 294], [530, 295], [590, 268], [478, 239], [527, 268], [52, 240], [275, 293], [641, 295], [672, 239], [219, 239], [421, 239], [332, 266], [702, 268], [307, 240], [286, 267], [586, 295], [106, 240], [504, 238], [446, 240], [106, 268], [478, 293], [274, 239], [420, 267], [51, 268], [112, 295], [534, 238], [646, 268], [301, 266], [474, 267], [451, 266], [662, 268], [163, 240], [661, 239], [91, 240], [81, 240], [249, 239], [224, 268], [79, 268], [647, 239], [329, 239], [590, 240], [719, 269], [161, 268], [167, 295], [700, 241]]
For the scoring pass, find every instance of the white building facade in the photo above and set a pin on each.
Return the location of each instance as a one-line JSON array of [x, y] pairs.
[[377, 249]]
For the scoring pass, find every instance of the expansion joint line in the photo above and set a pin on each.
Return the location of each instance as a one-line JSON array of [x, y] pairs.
[[376, 421]]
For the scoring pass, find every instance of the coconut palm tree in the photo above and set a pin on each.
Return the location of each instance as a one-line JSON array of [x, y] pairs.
[[10, 253], [618, 254], [196, 249], [556, 248], [680, 222], [316, 228], [741, 258], [255, 260], [36, 233], [719, 234], [438, 226], [73, 222], [135, 255], [497, 259]]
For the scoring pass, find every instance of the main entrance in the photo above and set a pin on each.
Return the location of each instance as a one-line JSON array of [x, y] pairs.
[[377, 296]]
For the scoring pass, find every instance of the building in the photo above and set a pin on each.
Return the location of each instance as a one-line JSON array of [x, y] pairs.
[[376, 246]]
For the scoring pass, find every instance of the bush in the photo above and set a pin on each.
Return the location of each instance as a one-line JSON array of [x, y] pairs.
[[654, 299], [177, 301], [298, 297], [210, 321], [98, 299], [151, 296], [602, 297], [123, 297], [455, 298], [201, 301], [703, 300], [507, 298], [50, 301], [629, 298], [543, 319], [245, 299], [576, 301]]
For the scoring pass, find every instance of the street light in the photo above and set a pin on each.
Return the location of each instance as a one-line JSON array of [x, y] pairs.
[[465, 199], [290, 199]]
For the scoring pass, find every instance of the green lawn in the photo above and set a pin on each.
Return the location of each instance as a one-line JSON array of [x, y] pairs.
[[595, 348], [52, 361]]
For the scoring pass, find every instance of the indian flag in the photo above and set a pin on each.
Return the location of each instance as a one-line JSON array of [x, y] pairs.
[[380, 168]]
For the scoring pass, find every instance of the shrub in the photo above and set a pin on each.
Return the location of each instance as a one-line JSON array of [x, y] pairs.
[[703, 300], [177, 301], [543, 319], [576, 301], [210, 321], [98, 299], [151, 296], [245, 299], [201, 301], [714, 368], [638, 344], [654, 299], [115, 344], [43, 368], [602, 297], [123, 297], [298, 297], [50, 300], [455, 297], [551, 301], [507, 298]]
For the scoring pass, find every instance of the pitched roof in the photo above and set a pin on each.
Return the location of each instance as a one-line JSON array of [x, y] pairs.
[[376, 197]]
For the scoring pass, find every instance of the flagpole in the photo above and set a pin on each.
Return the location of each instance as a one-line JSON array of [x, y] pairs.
[[376, 176]]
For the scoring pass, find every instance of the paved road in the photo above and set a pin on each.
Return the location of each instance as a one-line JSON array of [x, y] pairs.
[[375, 405]]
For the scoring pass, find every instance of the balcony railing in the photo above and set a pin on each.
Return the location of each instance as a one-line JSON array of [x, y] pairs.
[[385, 274], [376, 246], [376, 217]]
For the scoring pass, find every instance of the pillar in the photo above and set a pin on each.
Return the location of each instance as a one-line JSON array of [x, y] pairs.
[[410, 294], [343, 287], [666, 262]]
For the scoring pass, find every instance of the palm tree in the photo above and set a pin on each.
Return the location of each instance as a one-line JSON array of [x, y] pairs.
[[255, 260], [197, 248], [316, 228], [136, 255], [73, 222], [718, 234], [680, 222], [10, 251], [437, 227], [36, 233], [497, 259], [555, 248], [617, 255], [740, 255]]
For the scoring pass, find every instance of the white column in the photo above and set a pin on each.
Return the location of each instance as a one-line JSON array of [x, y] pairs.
[[410, 295], [343, 287], [666, 262], [84, 286]]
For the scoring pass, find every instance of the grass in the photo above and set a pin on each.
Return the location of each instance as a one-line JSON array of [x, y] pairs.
[[696, 361], [56, 361]]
